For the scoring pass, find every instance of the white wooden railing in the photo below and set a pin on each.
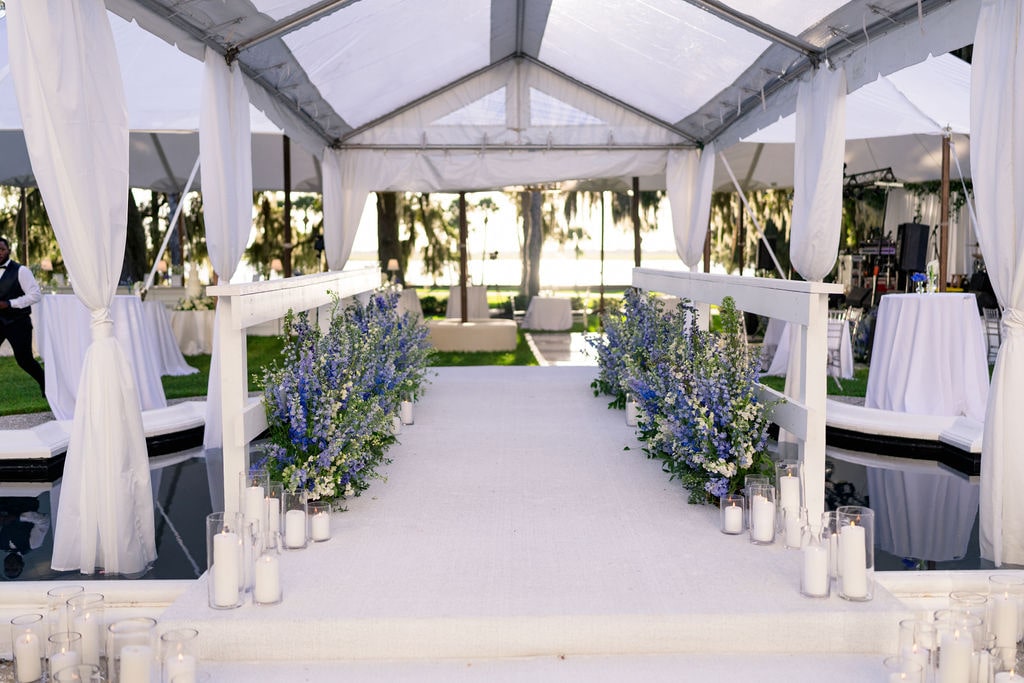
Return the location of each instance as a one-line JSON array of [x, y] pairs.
[[241, 306], [805, 306]]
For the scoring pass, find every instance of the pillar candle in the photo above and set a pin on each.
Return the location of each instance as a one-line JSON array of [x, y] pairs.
[[833, 555], [793, 529], [853, 561], [631, 414], [1004, 620], [762, 519], [955, 657], [295, 528], [254, 505], [226, 567], [407, 412], [789, 492], [180, 668], [733, 519], [815, 569], [63, 660], [916, 653], [320, 527], [28, 655], [89, 627], [136, 662], [273, 516], [268, 580]]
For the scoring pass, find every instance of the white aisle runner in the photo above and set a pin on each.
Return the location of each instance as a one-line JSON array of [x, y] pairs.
[[513, 523]]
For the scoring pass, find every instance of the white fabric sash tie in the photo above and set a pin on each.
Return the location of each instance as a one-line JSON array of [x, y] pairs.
[[102, 326], [1013, 321]]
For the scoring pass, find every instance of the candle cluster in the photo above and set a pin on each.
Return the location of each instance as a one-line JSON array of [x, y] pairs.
[[838, 546], [243, 550], [975, 640], [72, 637]]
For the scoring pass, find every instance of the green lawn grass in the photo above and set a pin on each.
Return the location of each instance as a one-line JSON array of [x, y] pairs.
[[521, 356], [856, 386]]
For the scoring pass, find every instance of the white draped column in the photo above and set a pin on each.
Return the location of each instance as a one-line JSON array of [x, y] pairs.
[[997, 167], [76, 129], [225, 153], [814, 244], [689, 179]]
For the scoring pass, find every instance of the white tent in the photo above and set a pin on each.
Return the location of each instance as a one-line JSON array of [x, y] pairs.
[[466, 94]]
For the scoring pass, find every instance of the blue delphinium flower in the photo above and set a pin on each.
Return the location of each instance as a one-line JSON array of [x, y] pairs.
[[331, 400]]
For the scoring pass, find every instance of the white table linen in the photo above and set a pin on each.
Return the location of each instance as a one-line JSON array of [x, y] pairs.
[[171, 360], [64, 335], [928, 357], [193, 331], [409, 302], [476, 302], [777, 335], [548, 313]]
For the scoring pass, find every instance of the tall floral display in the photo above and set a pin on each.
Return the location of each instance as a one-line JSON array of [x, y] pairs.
[[697, 404], [332, 399]]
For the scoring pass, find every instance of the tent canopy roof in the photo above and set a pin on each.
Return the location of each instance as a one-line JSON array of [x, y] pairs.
[[545, 74]]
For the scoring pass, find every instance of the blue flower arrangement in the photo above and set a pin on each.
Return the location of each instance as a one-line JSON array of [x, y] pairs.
[[697, 405], [332, 398]]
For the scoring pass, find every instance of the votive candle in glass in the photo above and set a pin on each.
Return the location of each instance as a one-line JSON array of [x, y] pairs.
[[901, 670], [28, 640], [267, 584], [87, 619], [731, 509], [856, 552], [274, 502], [179, 654], [63, 650], [130, 648], [319, 520], [787, 484], [748, 481], [295, 510], [762, 514], [814, 578], [57, 605], [225, 571]]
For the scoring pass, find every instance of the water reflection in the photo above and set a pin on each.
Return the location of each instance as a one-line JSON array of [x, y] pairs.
[[181, 501]]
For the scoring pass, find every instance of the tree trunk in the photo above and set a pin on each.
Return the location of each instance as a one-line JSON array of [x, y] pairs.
[[524, 210], [635, 212], [535, 243], [387, 231]]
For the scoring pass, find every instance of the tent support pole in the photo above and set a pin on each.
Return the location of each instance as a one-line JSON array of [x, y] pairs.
[[463, 238], [286, 246], [634, 206], [171, 227], [944, 214]]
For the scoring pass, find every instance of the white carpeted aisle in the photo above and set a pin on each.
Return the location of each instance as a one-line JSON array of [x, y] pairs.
[[514, 523]]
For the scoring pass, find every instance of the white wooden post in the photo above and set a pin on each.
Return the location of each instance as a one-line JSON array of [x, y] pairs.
[[242, 306]]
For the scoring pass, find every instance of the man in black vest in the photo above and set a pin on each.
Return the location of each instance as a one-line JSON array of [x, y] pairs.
[[18, 291]]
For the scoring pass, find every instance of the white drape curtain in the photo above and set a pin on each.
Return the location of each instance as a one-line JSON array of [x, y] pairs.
[[689, 179], [997, 163], [818, 173], [351, 175], [817, 189], [76, 130], [225, 154], [346, 188]]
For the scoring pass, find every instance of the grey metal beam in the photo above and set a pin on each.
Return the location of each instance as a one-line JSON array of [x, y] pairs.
[[758, 27]]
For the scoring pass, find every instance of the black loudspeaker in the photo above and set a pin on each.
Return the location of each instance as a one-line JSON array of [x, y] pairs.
[[764, 258], [912, 240], [859, 297]]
